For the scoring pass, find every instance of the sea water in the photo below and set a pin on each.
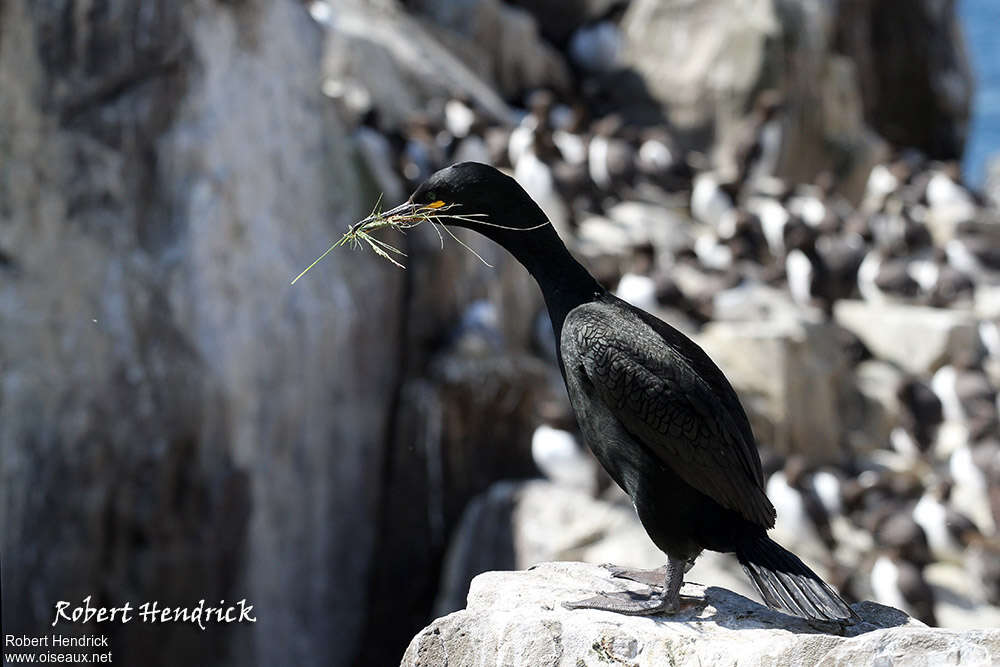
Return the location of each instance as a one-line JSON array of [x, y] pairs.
[[981, 23]]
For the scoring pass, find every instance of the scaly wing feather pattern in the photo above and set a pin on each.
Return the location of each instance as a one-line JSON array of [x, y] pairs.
[[667, 405]]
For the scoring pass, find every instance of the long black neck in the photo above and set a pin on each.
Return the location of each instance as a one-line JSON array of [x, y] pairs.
[[564, 282]]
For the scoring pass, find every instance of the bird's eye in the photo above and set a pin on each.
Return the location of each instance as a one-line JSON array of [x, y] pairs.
[[433, 200]]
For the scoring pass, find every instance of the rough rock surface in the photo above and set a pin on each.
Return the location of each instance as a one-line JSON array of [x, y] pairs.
[[913, 72], [875, 409], [716, 49], [789, 375], [917, 338], [188, 425], [166, 397], [504, 37], [723, 54], [396, 64], [517, 618], [844, 58]]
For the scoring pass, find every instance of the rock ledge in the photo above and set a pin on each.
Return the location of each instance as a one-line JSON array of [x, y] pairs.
[[516, 618]]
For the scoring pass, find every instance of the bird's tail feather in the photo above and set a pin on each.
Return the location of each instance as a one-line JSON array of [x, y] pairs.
[[786, 584]]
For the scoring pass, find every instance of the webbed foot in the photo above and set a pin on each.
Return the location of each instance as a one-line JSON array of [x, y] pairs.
[[663, 597], [653, 578], [630, 603]]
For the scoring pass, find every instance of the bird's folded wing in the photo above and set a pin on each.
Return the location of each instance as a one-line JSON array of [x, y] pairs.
[[667, 407]]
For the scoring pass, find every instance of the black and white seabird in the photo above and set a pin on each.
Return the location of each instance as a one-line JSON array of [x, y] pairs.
[[804, 515], [897, 576], [610, 159], [921, 413], [759, 148], [884, 276], [948, 531]]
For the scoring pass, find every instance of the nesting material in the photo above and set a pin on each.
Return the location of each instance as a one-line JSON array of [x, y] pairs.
[[400, 219]]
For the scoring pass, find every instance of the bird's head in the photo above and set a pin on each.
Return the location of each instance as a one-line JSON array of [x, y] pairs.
[[478, 197], [481, 198]]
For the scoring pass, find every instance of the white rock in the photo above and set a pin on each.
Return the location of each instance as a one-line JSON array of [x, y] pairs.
[[401, 63], [754, 301], [790, 376], [516, 618], [649, 223], [917, 338], [878, 409], [497, 37], [605, 234]]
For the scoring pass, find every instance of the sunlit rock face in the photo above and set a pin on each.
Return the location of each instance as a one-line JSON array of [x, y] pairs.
[[518, 617], [838, 67]]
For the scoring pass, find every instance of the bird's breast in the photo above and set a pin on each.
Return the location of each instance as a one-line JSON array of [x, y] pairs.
[[626, 461]]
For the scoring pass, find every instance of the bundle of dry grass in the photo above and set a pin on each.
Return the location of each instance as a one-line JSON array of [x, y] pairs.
[[401, 219]]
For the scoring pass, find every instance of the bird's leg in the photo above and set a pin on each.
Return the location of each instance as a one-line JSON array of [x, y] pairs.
[[634, 603], [672, 583]]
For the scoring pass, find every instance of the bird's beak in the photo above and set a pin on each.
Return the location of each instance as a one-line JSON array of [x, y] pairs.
[[405, 212]]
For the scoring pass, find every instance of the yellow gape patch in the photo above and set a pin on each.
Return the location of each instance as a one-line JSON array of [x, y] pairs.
[[435, 204]]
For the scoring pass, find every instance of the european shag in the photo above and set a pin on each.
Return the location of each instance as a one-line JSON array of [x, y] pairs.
[[658, 414]]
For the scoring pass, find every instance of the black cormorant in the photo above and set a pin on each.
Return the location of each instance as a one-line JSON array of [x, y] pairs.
[[658, 414]]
